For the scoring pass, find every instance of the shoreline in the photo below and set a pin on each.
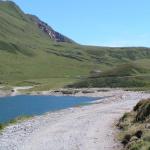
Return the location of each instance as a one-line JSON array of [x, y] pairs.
[[74, 128], [91, 92]]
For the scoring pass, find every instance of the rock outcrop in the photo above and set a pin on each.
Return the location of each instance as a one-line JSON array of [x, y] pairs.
[[49, 30]]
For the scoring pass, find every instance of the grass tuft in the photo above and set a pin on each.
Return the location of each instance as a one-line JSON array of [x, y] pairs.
[[135, 127]]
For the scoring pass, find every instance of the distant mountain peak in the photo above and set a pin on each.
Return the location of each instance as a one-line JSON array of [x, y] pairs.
[[49, 30], [14, 10]]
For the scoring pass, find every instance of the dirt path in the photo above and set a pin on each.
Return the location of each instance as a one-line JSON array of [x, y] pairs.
[[16, 90], [82, 128]]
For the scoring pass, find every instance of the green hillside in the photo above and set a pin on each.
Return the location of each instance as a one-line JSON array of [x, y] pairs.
[[29, 56], [125, 75]]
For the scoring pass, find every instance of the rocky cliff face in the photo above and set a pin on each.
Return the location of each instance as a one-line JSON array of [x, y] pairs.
[[49, 31]]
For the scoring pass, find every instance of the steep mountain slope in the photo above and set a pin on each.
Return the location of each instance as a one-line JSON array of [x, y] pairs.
[[20, 33], [32, 52]]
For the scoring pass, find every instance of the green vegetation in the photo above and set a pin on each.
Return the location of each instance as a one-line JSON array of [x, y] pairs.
[[135, 127], [125, 75], [14, 121], [29, 57], [52, 83], [127, 69]]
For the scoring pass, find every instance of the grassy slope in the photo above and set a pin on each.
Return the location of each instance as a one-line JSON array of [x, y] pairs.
[[26, 52], [135, 127], [125, 75], [29, 55]]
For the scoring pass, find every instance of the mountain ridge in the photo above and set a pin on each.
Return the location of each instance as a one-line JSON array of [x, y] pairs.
[[54, 35]]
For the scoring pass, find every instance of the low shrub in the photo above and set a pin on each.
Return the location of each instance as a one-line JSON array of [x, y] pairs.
[[144, 112], [1, 126], [135, 131]]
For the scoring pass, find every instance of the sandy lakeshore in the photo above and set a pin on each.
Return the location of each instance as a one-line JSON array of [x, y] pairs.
[[90, 127]]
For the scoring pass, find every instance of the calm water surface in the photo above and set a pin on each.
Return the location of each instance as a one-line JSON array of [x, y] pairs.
[[12, 107]]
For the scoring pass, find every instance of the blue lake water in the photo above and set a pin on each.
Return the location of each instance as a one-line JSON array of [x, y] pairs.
[[12, 107]]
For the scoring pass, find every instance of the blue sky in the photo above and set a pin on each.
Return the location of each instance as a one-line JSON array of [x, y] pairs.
[[96, 22]]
